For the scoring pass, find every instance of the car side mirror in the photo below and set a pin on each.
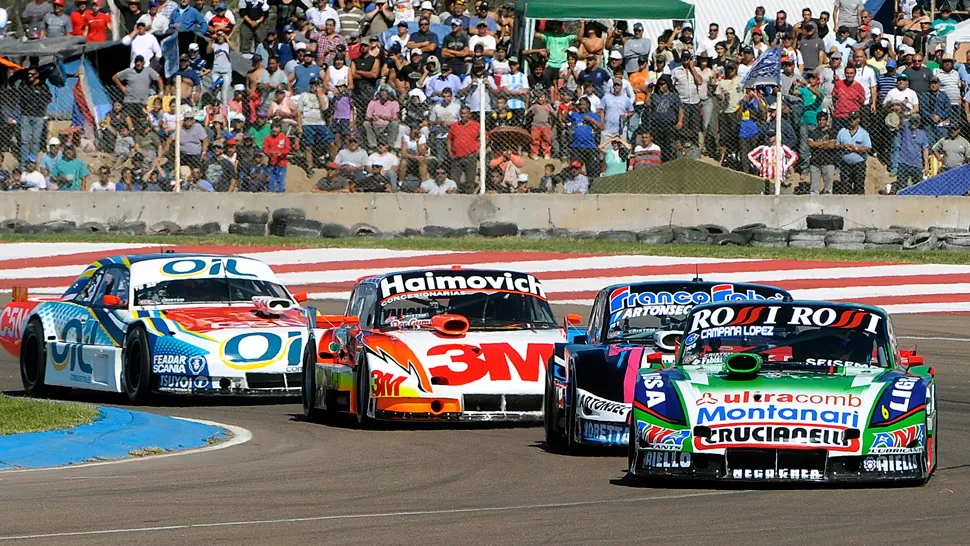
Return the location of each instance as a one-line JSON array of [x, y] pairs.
[[573, 318], [913, 360], [110, 301], [655, 358], [353, 320], [300, 297]]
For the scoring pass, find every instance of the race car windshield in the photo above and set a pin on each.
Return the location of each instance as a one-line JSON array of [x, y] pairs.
[[484, 310], [810, 338], [206, 290]]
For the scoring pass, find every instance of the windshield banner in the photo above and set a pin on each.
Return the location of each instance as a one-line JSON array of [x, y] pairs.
[[712, 322], [451, 283]]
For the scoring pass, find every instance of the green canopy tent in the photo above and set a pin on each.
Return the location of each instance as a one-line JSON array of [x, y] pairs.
[[566, 10]]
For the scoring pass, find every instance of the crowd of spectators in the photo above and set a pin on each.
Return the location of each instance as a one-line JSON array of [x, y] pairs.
[[386, 95]]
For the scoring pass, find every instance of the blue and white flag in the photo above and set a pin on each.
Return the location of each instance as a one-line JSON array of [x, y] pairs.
[[766, 70], [170, 54]]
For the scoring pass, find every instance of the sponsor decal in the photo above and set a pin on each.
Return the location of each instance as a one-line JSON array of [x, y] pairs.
[[905, 440], [256, 349], [661, 438], [204, 267], [385, 384], [169, 364], [706, 398], [737, 331], [776, 474], [891, 463], [823, 317], [410, 322], [691, 339], [471, 363], [771, 412], [240, 324], [666, 459], [70, 354], [902, 392], [680, 301], [594, 404], [13, 320], [183, 382], [830, 362], [774, 436], [604, 433], [654, 385], [754, 397], [196, 364], [452, 283]]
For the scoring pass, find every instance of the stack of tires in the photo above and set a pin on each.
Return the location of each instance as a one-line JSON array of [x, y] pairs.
[[249, 222]]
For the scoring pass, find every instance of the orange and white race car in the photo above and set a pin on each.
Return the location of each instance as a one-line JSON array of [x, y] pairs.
[[448, 344]]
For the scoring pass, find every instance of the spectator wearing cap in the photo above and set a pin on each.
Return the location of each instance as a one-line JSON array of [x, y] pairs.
[[950, 84], [636, 47], [254, 26], [254, 173], [306, 70], [220, 47], [515, 87], [283, 109], [56, 23], [269, 47], [854, 143], [32, 179], [142, 44], [220, 170], [485, 38], [427, 10], [349, 166], [98, 23], [260, 128], [378, 20], [640, 83], [596, 75], [401, 40], [53, 152], [194, 140], [188, 19], [811, 47], [288, 13], [33, 16], [751, 110], [615, 110], [758, 43], [842, 41], [482, 14], [833, 72], [329, 42], [136, 84], [575, 182], [934, 107], [470, 91], [758, 21], [277, 146], [155, 22], [34, 97], [79, 18], [681, 39], [914, 151], [69, 172], [311, 108], [377, 179], [903, 101], [455, 50], [848, 96], [199, 64], [424, 39], [350, 17], [746, 62], [365, 71], [952, 151], [220, 19], [191, 81]]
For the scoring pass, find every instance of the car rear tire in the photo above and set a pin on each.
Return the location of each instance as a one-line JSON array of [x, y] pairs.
[[310, 409], [137, 370], [363, 392], [550, 411], [33, 361], [572, 444]]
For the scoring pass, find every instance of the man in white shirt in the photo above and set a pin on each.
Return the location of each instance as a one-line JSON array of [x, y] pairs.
[[155, 22], [903, 95], [143, 44], [440, 184], [516, 86], [576, 182], [320, 14], [32, 179], [483, 37], [3, 22], [103, 183], [866, 76], [387, 160], [707, 44]]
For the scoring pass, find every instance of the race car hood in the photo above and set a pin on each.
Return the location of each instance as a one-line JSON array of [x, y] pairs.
[[778, 410], [486, 362], [205, 319]]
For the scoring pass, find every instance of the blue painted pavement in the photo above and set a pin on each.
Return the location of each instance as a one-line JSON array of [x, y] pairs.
[[112, 435]]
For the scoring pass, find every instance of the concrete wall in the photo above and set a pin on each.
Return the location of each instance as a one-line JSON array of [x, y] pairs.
[[395, 212]]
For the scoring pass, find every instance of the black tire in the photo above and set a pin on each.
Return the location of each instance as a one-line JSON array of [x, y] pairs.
[[33, 361], [498, 229], [656, 236], [251, 217], [829, 222], [768, 235], [807, 235], [310, 411], [921, 241], [691, 236], [437, 231], [252, 230], [617, 235], [713, 229], [285, 214], [730, 239], [362, 384], [845, 237], [550, 412], [885, 237], [136, 375], [631, 449], [572, 446]]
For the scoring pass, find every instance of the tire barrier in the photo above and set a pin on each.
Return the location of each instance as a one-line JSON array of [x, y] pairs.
[[656, 236], [921, 241], [691, 236], [498, 229], [618, 235], [828, 222], [885, 237]]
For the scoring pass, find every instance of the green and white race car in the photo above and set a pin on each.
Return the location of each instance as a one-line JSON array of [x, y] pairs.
[[786, 391]]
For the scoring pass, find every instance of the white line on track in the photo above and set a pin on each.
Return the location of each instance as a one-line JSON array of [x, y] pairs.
[[936, 338], [239, 436], [378, 515]]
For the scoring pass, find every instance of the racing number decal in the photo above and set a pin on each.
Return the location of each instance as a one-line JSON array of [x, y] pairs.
[[251, 350], [470, 363]]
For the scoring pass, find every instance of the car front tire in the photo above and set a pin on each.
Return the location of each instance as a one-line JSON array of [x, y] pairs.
[[137, 370], [550, 411], [310, 409], [362, 384], [33, 361]]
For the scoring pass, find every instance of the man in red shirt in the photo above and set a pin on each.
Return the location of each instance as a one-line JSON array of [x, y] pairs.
[[463, 143], [277, 146], [848, 96], [220, 21], [79, 19], [98, 22]]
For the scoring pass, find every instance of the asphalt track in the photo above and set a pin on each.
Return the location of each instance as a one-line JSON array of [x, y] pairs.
[[297, 482]]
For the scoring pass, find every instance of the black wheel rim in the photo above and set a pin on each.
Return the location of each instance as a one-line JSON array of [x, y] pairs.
[[134, 366]]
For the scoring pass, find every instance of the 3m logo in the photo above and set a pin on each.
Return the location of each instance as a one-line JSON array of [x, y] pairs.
[[385, 384], [470, 363]]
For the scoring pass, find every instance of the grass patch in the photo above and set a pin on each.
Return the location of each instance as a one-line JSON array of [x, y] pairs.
[[513, 244], [147, 451], [215, 439], [18, 415]]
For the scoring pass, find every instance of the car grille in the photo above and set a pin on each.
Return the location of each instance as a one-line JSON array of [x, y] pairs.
[[273, 380], [774, 459], [502, 402]]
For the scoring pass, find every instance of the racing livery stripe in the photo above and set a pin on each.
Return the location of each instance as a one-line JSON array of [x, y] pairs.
[[330, 273]]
